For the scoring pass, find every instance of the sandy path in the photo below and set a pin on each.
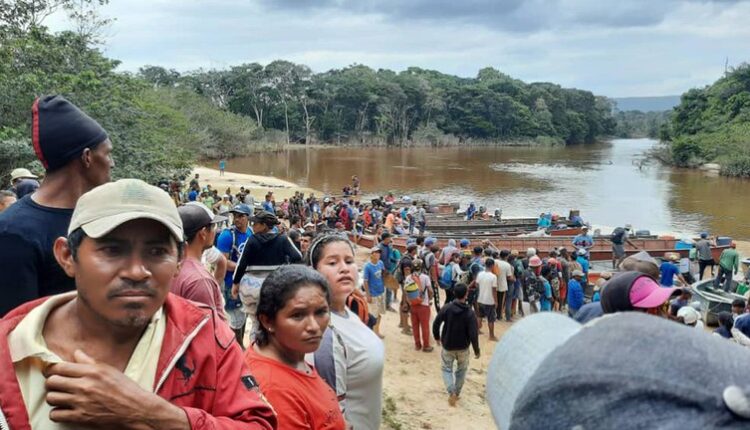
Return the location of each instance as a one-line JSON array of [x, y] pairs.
[[413, 390], [413, 380]]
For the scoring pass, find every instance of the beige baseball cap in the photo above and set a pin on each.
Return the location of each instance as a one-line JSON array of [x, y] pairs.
[[22, 173], [108, 206]]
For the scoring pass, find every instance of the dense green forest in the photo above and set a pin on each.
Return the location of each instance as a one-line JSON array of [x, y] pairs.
[[162, 121], [637, 124], [380, 107], [712, 124]]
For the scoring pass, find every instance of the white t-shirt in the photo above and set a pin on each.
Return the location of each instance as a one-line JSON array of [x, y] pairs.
[[426, 285], [502, 278], [364, 371], [487, 284]]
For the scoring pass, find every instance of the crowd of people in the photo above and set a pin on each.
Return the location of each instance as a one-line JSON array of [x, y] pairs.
[[131, 303]]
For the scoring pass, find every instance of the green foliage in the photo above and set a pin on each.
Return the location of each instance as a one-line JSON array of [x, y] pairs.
[[637, 124], [156, 132], [712, 124], [15, 153], [211, 132], [739, 166], [357, 104]]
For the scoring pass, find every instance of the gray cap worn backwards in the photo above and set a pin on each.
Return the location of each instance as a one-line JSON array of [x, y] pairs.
[[627, 370]]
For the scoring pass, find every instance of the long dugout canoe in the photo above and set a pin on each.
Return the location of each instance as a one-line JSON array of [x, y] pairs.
[[601, 251]]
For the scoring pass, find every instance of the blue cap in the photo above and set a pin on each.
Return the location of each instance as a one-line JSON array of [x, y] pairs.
[[242, 208], [430, 241], [464, 242], [704, 235]]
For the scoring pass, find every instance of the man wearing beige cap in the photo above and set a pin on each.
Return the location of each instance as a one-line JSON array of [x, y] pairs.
[[19, 174], [121, 351]]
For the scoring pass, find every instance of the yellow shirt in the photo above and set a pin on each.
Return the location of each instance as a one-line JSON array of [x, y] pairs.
[[30, 356]]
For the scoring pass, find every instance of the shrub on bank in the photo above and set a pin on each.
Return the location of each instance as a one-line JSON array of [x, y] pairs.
[[739, 166]]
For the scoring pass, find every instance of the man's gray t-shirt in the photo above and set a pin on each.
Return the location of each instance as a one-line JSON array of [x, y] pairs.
[[704, 250]]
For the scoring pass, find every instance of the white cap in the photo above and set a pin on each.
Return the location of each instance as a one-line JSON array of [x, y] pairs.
[[689, 315]]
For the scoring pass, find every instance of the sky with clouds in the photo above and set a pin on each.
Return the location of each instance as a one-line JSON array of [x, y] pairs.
[[617, 48]]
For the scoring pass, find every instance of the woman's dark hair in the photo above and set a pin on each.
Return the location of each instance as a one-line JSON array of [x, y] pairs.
[[315, 252], [726, 320], [294, 235], [280, 286]]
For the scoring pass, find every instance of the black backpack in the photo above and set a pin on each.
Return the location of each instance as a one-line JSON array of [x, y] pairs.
[[539, 287], [617, 236], [533, 284]]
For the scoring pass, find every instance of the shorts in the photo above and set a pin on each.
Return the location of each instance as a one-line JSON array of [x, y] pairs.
[[618, 250], [488, 311], [471, 297], [377, 307], [555, 289]]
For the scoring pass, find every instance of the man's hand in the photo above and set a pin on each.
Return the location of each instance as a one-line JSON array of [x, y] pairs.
[[369, 298], [89, 393], [235, 292]]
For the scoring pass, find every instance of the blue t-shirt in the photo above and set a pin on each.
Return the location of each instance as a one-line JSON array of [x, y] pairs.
[[545, 302], [668, 270], [224, 244], [583, 241], [373, 274], [192, 195], [584, 264], [268, 206], [222, 164], [575, 295]]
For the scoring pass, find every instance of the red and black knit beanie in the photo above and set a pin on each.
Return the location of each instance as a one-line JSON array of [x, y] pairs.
[[61, 131]]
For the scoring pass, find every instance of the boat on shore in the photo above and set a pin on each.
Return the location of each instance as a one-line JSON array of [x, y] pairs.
[[713, 300], [602, 250]]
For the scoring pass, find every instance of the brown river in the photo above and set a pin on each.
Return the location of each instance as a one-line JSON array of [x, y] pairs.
[[603, 181]]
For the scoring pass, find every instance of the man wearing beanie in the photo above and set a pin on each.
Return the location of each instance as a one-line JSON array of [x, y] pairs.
[[76, 153]]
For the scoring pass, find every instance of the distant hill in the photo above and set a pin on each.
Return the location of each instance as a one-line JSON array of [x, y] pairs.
[[647, 104]]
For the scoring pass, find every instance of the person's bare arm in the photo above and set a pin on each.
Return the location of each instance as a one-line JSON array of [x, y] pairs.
[[221, 269]]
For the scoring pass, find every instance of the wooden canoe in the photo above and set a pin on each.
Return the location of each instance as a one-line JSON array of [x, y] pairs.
[[601, 251]]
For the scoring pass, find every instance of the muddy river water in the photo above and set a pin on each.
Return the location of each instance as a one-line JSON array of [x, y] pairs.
[[603, 181]]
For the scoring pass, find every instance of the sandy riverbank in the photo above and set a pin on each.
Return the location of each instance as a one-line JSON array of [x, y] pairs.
[[413, 391], [257, 184]]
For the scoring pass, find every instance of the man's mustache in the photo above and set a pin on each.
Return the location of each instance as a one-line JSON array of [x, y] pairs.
[[126, 286]]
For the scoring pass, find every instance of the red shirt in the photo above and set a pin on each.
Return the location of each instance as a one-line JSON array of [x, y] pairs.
[[301, 400], [196, 284]]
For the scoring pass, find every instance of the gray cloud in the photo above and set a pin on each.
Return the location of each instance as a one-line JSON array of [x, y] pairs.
[[507, 15], [612, 47]]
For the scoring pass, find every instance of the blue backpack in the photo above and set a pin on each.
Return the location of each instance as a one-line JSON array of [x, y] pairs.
[[446, 278]]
